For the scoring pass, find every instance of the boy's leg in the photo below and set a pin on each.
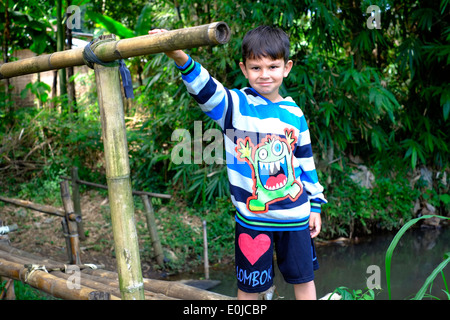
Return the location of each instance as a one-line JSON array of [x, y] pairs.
[[297, 261], [254, 262], [241, 295], [305, 291]]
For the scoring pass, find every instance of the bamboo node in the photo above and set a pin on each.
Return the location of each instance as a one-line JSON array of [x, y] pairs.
[[118, 178]]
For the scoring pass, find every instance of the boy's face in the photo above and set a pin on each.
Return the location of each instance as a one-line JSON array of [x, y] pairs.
[[265, 75]]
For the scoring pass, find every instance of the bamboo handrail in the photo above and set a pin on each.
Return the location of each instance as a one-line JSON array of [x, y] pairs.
[[186, 38], [40, 207], [135, 192]]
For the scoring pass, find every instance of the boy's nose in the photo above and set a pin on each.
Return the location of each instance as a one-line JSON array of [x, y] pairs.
[[264, 73]]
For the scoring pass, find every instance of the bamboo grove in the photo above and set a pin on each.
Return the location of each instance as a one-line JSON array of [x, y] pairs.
[[378, 94]]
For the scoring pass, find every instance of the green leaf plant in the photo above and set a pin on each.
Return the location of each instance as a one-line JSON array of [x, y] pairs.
[[389, 253]]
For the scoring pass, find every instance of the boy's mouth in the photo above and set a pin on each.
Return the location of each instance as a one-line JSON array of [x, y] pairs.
[[273, 175]]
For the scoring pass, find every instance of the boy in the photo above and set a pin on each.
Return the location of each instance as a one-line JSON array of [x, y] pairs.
[[271, 171]]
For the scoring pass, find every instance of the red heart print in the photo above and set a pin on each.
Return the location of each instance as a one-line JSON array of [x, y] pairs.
[[253, 249]]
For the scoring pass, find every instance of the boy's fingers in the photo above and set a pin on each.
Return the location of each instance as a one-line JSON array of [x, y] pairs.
[[315, 225], [153, 31]]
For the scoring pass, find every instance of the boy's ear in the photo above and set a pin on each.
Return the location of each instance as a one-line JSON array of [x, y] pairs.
[[288, 68], [243, 69]]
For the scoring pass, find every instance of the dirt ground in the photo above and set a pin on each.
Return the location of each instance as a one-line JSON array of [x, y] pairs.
[[42, 234]]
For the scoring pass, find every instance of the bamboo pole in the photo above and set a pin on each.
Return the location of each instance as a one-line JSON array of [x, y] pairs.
[[46, 282], [154, 289], [205, 251], [71, 225], [40, 207], [151, 226], [136, 193], [118, 179], [65, 230], [57, 271], [77, 203], [209, 34], [172, 289]]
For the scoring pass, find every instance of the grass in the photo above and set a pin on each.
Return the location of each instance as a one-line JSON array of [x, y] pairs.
[[429, 281]]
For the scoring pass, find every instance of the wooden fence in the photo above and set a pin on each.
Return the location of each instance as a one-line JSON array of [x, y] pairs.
[[146, 200]]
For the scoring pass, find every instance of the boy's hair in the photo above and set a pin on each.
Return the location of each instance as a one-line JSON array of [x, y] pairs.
[[265, 41]]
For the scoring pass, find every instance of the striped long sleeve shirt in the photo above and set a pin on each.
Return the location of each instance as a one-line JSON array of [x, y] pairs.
[[271, 171]]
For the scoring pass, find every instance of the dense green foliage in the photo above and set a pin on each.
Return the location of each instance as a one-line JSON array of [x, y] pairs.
[[381, 95]]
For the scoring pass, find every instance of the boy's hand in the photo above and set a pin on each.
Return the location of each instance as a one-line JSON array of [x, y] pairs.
[[315, 224], [179, 56]]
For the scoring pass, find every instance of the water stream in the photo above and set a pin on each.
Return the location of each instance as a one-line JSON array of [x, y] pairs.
[[416, 256]]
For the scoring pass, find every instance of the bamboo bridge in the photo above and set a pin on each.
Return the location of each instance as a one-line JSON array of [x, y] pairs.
[[103, 55]]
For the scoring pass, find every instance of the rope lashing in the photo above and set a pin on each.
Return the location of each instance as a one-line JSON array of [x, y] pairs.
[[90, 58], [31, 269]]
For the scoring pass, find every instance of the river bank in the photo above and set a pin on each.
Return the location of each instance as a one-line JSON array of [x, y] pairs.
[[342, 263], [418, 253]]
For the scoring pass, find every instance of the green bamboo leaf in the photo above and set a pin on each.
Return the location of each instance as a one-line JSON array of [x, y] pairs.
[[445, 102], [111, 25], [443, 5]]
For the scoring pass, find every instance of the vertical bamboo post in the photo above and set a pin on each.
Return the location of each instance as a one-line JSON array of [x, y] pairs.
[[205, 250], [67, 238], [119, 183], [77, 202], [71, 225], [151, 225]]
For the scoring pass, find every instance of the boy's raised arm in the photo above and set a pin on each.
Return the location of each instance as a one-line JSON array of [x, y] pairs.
[[179, 56]]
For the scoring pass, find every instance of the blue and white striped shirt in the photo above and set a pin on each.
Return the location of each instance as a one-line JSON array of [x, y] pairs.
[[271, 171]]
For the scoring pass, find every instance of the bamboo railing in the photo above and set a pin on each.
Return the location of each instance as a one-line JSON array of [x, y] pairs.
[[210, 34], [110, 102]]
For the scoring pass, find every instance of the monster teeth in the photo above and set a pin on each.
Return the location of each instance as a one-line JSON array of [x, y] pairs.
[[272, 167]]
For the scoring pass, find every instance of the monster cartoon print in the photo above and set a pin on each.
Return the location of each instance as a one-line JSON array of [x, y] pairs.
[[273, 173]]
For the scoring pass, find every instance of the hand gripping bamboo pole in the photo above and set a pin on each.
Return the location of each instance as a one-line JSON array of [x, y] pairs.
[[204, 35]]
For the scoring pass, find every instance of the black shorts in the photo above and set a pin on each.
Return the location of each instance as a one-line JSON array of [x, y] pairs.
[[295, 252]]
